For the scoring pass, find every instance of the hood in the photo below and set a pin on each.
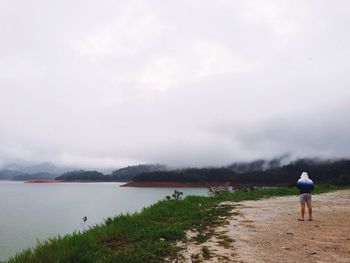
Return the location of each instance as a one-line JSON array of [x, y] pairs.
[[304, 178], [304, 175]]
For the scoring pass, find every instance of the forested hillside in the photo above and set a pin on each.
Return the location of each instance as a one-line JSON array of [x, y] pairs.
[[336, 172]]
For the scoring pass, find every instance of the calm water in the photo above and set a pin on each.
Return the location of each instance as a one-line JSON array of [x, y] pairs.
[[38, 211]]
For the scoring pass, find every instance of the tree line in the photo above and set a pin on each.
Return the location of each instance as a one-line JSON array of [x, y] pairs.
[[335, 172]]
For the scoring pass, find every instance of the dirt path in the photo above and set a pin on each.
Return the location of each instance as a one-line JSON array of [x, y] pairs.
[[268, 231]]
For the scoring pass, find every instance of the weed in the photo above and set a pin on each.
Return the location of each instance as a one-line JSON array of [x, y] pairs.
[[196, 258], [225, 241], [200, 238], [177, 195], [205, 252]]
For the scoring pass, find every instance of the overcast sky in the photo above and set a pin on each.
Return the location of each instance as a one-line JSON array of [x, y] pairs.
[[183, 83]]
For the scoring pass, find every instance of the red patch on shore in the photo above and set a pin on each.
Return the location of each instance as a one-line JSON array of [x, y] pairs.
[[40, 181]]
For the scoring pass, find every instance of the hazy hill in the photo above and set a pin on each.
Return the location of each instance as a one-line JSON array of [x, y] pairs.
[[127, 173], [82, 175], [119, 175], [191, 175], [260, 172], [9, 174], [258, 165], [244, 167], [22, 171], [26, 177], [30, 168], [336, 172]]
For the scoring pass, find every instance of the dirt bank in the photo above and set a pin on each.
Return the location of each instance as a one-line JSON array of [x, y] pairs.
[[268, 231]]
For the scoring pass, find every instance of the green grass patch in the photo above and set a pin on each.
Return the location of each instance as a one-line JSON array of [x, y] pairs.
[[146, 236], [201, 238]]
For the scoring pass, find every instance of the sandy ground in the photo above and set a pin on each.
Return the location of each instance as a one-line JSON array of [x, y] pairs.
[[268, 231]]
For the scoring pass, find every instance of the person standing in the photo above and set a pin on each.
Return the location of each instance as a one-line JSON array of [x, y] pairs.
[[305, 186]]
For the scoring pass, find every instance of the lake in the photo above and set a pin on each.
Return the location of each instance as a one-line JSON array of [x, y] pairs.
[[31, 212]]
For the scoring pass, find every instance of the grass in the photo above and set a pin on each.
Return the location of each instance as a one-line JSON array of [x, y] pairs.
[[200, 238], [146, 236]]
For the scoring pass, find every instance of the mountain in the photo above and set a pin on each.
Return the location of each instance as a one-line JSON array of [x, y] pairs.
[[127, 173], [23, 171], [82, 175], [321, 171], [259, 165], [26, 177], [191, 175], [9, 174], [119, 175], [30, 168], [245, 167]]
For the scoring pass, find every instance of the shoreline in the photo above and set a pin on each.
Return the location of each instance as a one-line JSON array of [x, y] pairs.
[[157, 232], [175, 184], [42, 181], [37, 181]]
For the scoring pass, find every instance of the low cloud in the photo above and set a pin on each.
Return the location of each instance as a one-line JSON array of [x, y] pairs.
[[189, 83]]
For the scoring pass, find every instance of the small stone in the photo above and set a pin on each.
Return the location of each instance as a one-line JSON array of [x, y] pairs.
[[290, 233], [313, 253]]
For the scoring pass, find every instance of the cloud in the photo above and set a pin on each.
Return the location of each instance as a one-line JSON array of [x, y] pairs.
[[181, 83]]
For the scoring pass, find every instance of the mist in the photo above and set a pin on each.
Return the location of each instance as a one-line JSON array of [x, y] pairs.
[[186, 83]]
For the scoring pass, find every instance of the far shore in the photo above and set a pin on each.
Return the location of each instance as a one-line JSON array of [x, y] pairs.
[[48, 181], [155, 183], [174, 184], [42, 181]]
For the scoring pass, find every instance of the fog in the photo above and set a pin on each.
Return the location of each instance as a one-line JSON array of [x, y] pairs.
[[183, 83]]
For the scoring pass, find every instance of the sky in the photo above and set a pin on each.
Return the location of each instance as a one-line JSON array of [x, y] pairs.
[[184, 83]]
